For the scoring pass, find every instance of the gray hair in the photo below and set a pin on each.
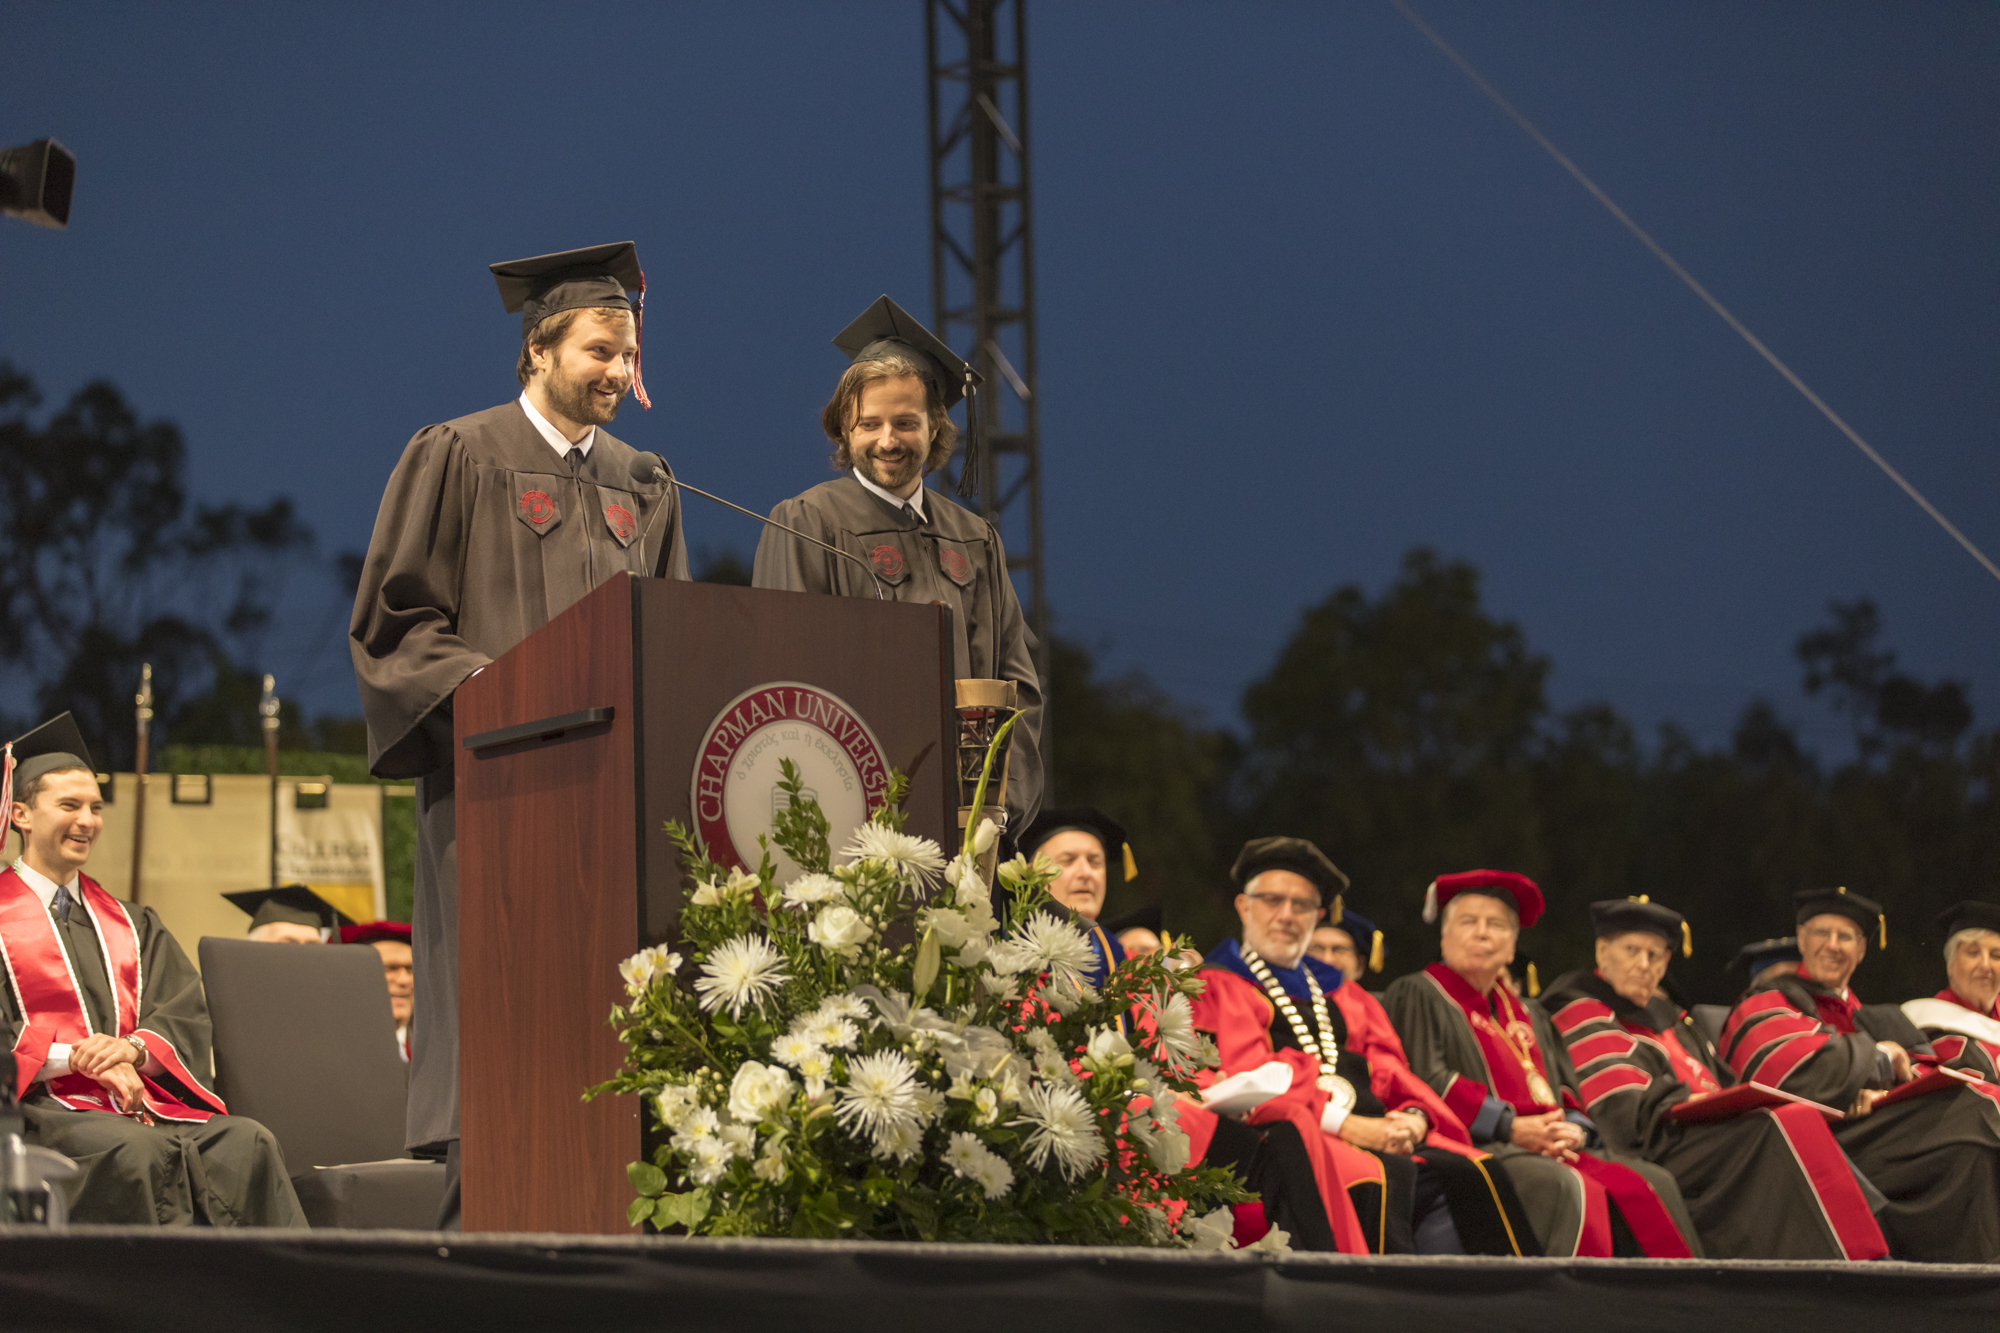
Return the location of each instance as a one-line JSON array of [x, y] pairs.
[[1969, 933]]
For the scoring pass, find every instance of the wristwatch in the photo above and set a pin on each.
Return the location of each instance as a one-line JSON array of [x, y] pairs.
[[140, 1047]]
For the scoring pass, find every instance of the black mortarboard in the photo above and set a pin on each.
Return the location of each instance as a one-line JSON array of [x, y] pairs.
[[1109, 833], [1150, 917], [291, 902], [1367, 938], [1969, 915], [1754, 958], [886, 329], [595, 277], [1293, 854], [1615, 916], [53, 745], [1863, 912]]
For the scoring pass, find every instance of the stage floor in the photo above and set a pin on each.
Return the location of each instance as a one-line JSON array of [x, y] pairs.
[[119, 1278]]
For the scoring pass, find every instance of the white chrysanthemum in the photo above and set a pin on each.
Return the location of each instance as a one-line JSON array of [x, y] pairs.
[[1044, 944], [674, 1103], [646, 966], [742, 1139], [696, 1126], [995, 1177], [1067, 994], [740, 973], [1049, 1062], [757, 1090], [840, 930], [812, 890], [969, 1159], [900, 1141], [792, 1047], [1217, 1231], [1173, 1023], [917, 861], [708, 1159], [930, 1105], [815, 1068], [771, 1166], [830, 1031], [1060, 1126], [844, 1005], [999, 987], [881, 1091]]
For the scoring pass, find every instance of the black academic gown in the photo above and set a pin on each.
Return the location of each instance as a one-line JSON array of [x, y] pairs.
[[226, 1171], [1936, 1156], [483, 537], [951, 556], [1762, 1184]]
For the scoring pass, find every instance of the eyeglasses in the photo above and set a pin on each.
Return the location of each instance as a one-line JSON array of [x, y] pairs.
[[1277, 904]]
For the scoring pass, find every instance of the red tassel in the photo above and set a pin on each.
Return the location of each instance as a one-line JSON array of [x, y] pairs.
[[639, 327]]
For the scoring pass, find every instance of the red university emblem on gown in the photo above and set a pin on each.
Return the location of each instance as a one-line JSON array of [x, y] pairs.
[[888, 561], [620, 518], [538, 508]]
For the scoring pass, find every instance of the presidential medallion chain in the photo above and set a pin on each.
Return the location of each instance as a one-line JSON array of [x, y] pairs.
[[1316, 1042]]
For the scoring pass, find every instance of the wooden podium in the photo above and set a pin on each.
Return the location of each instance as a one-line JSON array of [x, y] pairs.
[[573, 748]]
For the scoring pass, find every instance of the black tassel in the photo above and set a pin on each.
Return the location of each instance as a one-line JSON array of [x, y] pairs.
[[968, 468]]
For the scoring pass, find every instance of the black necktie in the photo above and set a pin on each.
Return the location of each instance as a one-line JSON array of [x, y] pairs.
[[575, 459], [60, 907]]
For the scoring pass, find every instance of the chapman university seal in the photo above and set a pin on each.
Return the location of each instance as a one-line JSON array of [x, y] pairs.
[[735, 793]]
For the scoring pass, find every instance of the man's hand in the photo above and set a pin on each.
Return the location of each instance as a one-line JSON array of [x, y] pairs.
[[1548, 1134], [1899, 1058], [1394, 1134], [100, 1052], [122, 1082], [1864, 1101]]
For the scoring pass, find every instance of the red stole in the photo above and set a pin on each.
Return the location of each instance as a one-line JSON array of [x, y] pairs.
[[1836, 1011], [1687, 1068], [52, 1006], [1506, 1038]]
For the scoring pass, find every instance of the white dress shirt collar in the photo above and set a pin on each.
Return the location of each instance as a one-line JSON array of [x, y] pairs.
[[44, 887], [554, 436], [915, 502]]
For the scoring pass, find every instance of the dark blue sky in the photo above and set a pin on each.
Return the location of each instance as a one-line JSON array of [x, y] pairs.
[[1307, 300]]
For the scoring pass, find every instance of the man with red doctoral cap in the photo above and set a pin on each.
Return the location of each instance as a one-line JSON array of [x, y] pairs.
[[1500, 1067], [391, 940], [1764, 1182], [1389, 1143], [492, 525], [1962, 1021], [1936, 1155]]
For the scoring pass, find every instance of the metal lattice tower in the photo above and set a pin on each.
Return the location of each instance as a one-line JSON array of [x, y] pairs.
[[983, 259]]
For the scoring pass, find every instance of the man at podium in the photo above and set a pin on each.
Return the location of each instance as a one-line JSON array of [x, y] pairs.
[[890, 425], [492, 525]]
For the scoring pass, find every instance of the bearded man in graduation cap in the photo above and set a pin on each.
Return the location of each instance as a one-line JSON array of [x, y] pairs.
[[889, 420], [1388, 1146], [1762, 1182], [1495, 1059], [492, 525], [108, 1025], [1934, 1152]]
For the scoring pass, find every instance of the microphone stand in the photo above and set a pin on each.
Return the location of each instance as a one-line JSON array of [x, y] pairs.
[[660, 473]]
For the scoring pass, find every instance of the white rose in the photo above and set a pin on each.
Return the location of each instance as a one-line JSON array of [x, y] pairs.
[[839, 929], [757, 1090]]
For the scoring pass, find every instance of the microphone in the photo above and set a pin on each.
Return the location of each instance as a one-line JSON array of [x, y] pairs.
[[651, 467]]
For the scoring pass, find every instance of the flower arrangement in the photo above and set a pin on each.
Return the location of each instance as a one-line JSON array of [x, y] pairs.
[[879, 1049]]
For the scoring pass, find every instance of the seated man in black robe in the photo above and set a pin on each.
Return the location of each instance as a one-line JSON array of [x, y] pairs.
[[1763, 1182], [109, 1028], [1935, 1155]]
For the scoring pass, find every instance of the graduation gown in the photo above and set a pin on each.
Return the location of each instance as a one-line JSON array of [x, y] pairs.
[[952, 556], [1765, 1184], [197, 1163], [1936, 1156], [1481, 1075], [1960, 1036], [483, 537]]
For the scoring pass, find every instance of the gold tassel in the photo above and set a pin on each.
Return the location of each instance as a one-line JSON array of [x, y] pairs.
[[1534, 982], [1131, 866], [1883, 922], [1642, 898], [1687, 941], [1339, 909], [1375, 954]]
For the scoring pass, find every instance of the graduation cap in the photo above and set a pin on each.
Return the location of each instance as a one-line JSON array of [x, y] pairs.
[[53, 746], [1969, 915], [1110, 834], [1615, 916], [1517, 891], [1366, 936], [1150, 917], [1754, 958], [1863, 912], [1293, 854], [595, 277], [290, 902], [886, 330], [370, 931]]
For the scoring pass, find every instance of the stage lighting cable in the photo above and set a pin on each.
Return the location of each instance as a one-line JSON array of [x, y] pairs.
[[1528, 127]]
